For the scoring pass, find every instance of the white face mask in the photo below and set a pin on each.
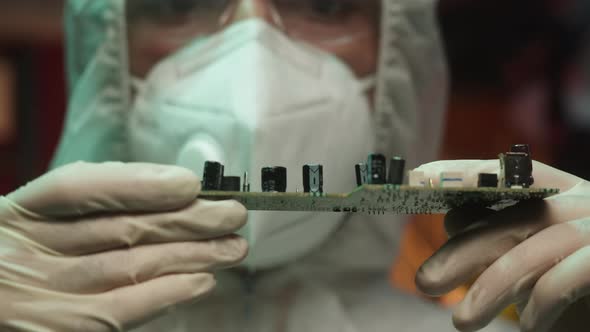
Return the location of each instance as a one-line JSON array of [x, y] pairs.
[[250, 97]]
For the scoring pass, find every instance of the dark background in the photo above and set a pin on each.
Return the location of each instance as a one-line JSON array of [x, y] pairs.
[[512, 63]]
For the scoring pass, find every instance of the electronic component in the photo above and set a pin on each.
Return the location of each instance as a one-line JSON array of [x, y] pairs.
[[396, 171], [521, 148], [212, 176], [231, 183], [246, 184], [274, 179], [417, 179], [313, 179], [362, 174], [420, 197], [487, 180], [375, 199], [377, 169], [451, 180], [516, 169]]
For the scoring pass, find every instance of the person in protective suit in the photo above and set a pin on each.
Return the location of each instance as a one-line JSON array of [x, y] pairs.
[[113, 239]]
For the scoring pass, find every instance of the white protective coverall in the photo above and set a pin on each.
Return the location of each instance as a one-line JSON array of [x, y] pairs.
[[341, 285]]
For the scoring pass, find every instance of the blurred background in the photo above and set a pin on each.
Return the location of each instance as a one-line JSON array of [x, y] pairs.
[[32, 88], [520, 73]]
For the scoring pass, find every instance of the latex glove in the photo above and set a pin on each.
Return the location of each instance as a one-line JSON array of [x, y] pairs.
[[107, 247], [535, 254]]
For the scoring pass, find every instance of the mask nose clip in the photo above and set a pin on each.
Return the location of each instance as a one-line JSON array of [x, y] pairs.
[[367, 83], [242, 10]]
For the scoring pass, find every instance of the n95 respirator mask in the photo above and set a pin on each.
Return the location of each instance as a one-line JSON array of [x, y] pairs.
[[249, 97]]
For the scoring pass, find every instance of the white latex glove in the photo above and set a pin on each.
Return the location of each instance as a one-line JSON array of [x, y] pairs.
[[106, 247], [534, 254]]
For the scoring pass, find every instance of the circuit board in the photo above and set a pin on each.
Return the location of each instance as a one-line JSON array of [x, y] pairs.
[[384, 199]]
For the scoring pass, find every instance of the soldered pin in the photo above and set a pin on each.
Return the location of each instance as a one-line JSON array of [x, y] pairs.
[[246, 184]]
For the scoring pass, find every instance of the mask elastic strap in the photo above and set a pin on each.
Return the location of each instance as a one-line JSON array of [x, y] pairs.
[[137, 85], [367, 83]]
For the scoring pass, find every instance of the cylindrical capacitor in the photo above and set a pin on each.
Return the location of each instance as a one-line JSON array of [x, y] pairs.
[[377, 169], [212, 175], [274, 179], [396, 171], [521, 148], [362, 174], [487, 180], [313, 178], [231, 183]]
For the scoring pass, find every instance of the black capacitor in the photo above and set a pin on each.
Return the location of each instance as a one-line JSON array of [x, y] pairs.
[[231, 183], [313, 178], [487, 180], [377, 169], [212, 175], [518, 170], [274, 179], [521, 148], [362, 174], [396, 171]]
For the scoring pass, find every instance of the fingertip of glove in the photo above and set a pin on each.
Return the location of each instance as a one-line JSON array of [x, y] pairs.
[[463, 321], [183, 179], [470, 315], [201, 283], [173, 184], [167, 178], [233, 249], [428, 281], [238, 216], [422, 281]]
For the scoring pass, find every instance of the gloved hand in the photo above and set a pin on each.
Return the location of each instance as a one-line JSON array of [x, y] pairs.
[[105, 247], [534, 254]]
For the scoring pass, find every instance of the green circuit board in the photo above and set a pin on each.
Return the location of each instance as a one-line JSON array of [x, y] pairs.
[[384, 199]]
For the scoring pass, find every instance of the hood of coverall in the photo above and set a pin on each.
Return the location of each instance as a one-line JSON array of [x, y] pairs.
[[410, 98]]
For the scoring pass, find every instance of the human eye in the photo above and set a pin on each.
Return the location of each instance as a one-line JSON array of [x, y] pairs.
[[330, 8], [321, 11], [169, 10]]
